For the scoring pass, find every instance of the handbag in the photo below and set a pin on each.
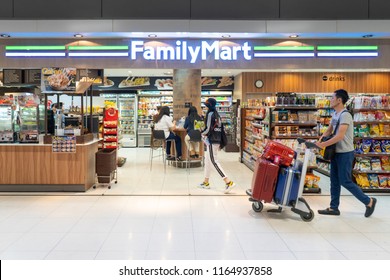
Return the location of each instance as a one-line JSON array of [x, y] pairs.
[[330, 151]]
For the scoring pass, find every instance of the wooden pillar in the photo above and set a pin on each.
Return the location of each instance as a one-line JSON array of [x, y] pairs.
[[186, 91]]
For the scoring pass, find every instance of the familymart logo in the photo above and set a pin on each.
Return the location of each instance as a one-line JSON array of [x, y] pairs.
[[192, 51]]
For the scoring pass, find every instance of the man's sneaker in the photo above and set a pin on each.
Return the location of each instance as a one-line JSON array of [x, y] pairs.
[[204, 185], [229, 186]]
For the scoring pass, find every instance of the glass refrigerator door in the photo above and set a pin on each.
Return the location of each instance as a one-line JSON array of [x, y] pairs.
[[128, 120], [28, 124], [6, 127]]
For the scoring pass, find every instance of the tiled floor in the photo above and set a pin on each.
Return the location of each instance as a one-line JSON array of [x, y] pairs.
[[152, 215]]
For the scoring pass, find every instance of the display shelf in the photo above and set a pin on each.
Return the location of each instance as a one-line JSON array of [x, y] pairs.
[[257, 149], [289, 123], [249, 140], [295, 137], [249, 164], [376, 190], [370, 172], [312, 190], [371, 154], [323, 172], [248, 128], [296, 107], [257, 125], [372, 122], [373, 137], [248, 152], [257, 137], [370, 109]]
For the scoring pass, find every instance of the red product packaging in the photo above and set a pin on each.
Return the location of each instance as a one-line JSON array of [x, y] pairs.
[[278, 153]]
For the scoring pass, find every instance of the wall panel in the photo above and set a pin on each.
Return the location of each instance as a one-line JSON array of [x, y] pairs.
[[379, 9], [146, 9], [49, 9], [6, 10], [319, 9], [233, 9]]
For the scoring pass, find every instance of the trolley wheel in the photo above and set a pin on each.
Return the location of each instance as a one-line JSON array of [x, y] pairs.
[[257, 206], [109, 187], [94, 186], [116, 182], [308, 216]]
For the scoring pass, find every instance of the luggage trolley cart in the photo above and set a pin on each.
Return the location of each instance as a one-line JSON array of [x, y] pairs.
[[289, 185], [106, 167]]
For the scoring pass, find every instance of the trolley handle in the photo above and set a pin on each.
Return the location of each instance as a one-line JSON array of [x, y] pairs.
[[309, 145]]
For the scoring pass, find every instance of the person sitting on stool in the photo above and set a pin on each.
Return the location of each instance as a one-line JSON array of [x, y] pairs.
[[189, 124], [164, 122]]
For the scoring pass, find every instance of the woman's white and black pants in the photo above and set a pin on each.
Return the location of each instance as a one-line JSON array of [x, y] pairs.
[[211, 161]]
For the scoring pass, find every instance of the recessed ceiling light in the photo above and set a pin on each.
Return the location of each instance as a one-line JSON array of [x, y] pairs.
[[368, 36], [226, 36], [78, 35], [5, 35], [152, 35], [294, 36]]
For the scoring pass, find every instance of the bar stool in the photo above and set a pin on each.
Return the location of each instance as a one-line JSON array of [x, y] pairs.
[[158, 142], [196, 139]]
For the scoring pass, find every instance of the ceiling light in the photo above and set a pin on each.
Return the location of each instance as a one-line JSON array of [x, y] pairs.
[[78, 35], [5, 35], [368, 36], [226, 36], [152, 36], [293, 36]]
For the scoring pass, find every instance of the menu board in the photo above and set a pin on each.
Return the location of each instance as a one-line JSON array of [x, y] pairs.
[[32, 76], [90, 75], [13, 76], [64, 144], [22, 76]]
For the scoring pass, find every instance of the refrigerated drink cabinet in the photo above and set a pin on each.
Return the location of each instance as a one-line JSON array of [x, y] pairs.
[[6, 124], [128, 119]]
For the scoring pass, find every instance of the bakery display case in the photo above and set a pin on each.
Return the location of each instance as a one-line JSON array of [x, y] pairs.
[[6, 123], [28, 117]]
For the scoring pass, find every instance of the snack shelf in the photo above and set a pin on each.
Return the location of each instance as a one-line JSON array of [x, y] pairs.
[[247, 128], [257, 125], [376, 190], [295, 137], [322, 171], [257, 149], [370, 109], [250, 141], [249, 118], [258, 117], [311, 190], [373, 137], [371, 154], [249, 164], [248, 152], [372, 122], [294, 123], [296, 107], [371, 172], [257, 137], [321, 158]]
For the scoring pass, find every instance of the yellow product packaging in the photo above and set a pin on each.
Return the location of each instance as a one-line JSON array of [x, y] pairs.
[[374, 130], [364, 182]]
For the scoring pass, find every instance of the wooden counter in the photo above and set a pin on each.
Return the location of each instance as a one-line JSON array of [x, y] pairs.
[[182, 132], [34, 167]]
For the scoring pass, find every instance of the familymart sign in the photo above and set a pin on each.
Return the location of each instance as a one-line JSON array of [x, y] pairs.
[[192, 51]]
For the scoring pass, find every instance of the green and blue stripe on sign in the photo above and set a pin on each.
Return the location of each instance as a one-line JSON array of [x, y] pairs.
[[98, 51], [35, 51], [347, 51], [283, 51]]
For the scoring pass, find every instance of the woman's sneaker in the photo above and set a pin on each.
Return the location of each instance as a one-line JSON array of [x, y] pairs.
[[204, 185], [229, 186]]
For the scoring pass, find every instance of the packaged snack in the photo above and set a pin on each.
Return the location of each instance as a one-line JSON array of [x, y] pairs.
[[383, 181], [374, 130], [364, 182], [366, 146], [366, 102], [388, 180], [374, 102], [386, 129], [316, 180], [385, 102], [376, 146], [357, 178], [358, 147], [387, 115], [376, 164], [364, 130], [283, 116], [370, 116], [379, 115], [385, 163], [357, 164], [365, 164], [373, 179], [385, 146]]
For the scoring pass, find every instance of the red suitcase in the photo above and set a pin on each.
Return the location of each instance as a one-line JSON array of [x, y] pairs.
[[264, 180], [278, 153]]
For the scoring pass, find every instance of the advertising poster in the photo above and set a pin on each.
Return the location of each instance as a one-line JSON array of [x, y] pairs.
[[59, 79], [64, 144]]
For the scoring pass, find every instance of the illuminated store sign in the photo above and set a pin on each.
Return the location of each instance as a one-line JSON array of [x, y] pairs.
[[192, 51]]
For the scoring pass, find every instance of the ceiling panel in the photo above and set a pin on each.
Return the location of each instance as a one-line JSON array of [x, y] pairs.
[[6, 9]]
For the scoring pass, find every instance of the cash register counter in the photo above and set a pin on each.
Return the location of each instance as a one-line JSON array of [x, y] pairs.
[[35, 168]]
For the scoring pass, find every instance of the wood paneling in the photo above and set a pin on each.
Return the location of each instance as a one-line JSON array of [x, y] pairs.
[[49, 9], [353, 82], [231, 9], [146, 9], [319, 9], [37, 165]]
